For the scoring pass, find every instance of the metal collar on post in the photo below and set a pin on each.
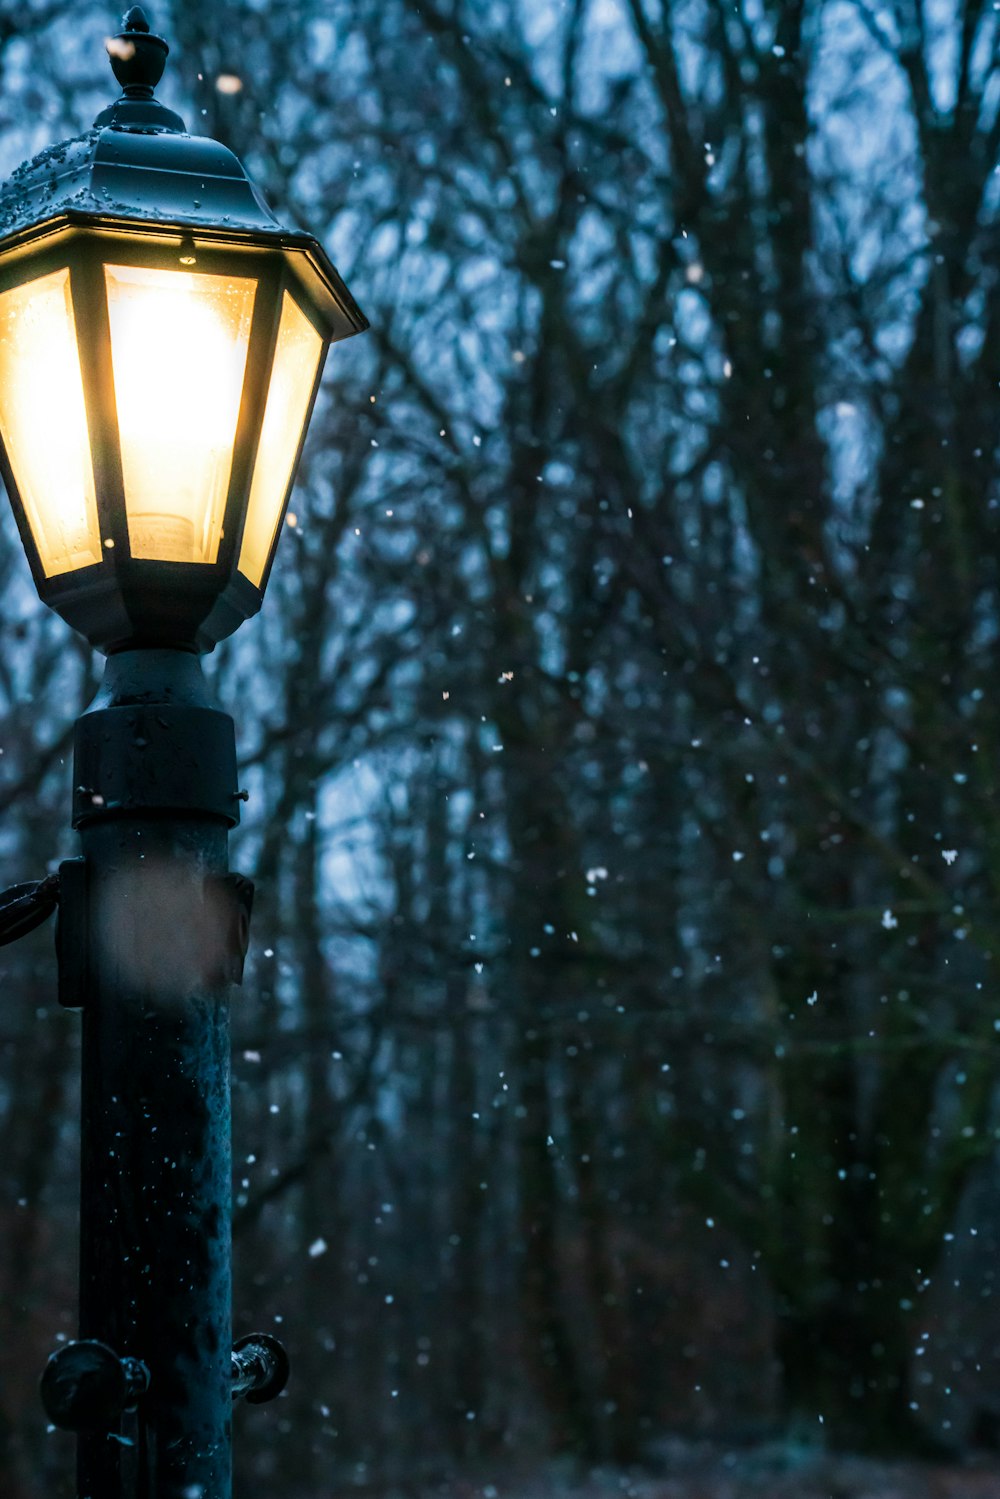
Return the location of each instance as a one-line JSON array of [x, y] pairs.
[[154, 740]]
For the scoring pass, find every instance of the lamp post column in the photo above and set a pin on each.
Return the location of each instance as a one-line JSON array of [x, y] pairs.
[[153, 931]]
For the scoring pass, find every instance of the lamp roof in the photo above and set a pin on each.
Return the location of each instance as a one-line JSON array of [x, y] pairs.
[[138, 162], [139, 167], [142, 173]]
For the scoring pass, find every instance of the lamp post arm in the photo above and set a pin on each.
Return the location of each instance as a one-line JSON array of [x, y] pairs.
[[25, 906]]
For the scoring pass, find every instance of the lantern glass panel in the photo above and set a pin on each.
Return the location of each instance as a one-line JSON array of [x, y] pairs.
[[179, 343], [44, 423], [293, 377]]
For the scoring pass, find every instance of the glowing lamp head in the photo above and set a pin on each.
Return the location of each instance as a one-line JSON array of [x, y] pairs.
[[159, 359]]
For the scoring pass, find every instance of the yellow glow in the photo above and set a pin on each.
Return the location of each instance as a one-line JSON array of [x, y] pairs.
[[179, 350], [44, 423], [296, 362]]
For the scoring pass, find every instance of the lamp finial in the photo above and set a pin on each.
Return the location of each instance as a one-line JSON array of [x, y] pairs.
[[137, 55]]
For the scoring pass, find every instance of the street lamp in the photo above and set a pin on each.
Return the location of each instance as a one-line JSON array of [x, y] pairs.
[[162, 338]]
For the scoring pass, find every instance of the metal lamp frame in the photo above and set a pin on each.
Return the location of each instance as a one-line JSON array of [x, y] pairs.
[[125, 601]]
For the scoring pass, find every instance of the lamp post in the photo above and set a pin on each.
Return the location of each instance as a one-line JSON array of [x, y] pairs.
[[162, 338]]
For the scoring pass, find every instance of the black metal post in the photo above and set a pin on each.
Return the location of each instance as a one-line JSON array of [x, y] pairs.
[[152, 932]]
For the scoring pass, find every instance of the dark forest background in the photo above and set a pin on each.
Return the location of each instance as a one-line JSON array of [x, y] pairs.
[[618, 1053]]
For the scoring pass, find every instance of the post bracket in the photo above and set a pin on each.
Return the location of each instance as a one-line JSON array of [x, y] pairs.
[[225, 918]]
